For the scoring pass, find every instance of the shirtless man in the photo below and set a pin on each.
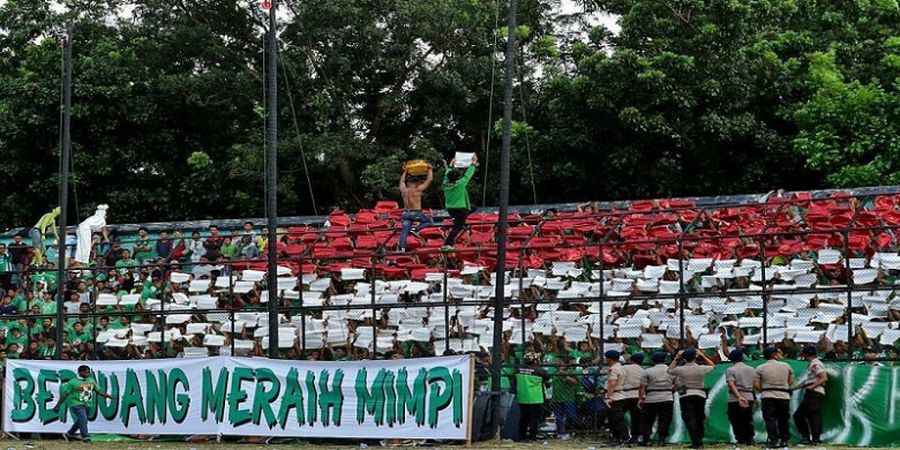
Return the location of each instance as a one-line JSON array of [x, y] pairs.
[[412, 206]]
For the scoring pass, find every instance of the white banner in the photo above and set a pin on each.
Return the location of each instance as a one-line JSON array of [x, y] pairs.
[[423, 398]]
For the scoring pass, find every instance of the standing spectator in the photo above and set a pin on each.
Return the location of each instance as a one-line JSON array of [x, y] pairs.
[[774, 379], [808, 416], [196, 247], [456, 198], [412, 190], [565, 389], [248, 247], [164, 246], [213, 243], [656, 399], [143, 248], [85, 234], [114, 254], [126, 264], [529, 386], [7, 269], [39, 231], [262, 240], [691, 386], [179, 246], [17, 249], [227, 249], [741, 397], [81, 390], [248, 230]]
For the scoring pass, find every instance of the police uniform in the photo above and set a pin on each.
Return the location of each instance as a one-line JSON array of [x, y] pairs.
[[690, 381], [741, 418], [659, 401], [774, 379], [808, 416], [630, 387], [619, 374]]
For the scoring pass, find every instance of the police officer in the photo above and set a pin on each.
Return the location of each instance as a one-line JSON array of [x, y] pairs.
[[615, 397], [656, 399], [689, 378], [808, 416], [741, 397], [774, 379], [631, 386]]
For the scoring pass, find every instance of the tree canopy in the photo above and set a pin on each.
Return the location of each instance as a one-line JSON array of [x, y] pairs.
[[690, 97]]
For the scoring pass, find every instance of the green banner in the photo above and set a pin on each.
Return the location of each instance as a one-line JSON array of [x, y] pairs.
[[860, 406]]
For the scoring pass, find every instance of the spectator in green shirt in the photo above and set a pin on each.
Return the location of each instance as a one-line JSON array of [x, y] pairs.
[[529, 387], [126, 263], [456, 198], [565, 388], [228, 249], [81, 390], [144, 250], [37, 233]]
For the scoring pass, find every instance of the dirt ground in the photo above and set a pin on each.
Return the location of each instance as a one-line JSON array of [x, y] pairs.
[[153, 445]]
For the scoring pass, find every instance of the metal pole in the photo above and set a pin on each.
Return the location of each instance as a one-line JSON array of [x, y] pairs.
[[766, 298], [849, 274], [374, 354], [446, 308], [64, 188], [272, 178], [303, 316], [682, 299], [497, 359], [600, 295]]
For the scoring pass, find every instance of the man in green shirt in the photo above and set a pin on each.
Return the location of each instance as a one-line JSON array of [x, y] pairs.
[[529, 387], [37, 233], [125, 264], [144, 250], [456, 197], [565, 389], [82, 389], [78, 334], [228, 249]]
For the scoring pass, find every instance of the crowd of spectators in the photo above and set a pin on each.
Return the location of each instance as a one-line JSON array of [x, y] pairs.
[[658, 275]]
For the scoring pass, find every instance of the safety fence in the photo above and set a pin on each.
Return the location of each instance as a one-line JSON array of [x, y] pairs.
[[789, 274]]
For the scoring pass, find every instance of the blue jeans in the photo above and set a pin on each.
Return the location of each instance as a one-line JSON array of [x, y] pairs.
[[37, 241], [566, 415], [407, 220], [79, 414]]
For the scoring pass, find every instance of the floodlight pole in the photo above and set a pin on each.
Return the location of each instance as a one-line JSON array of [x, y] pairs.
[[272, 178], [500, 293], [63, 188]]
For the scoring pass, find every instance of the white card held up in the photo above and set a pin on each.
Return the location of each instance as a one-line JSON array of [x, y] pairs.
[[651, 340], [107, 300], [179, 277], [463, 160], [196, 352], [214, 340], [130, 299], [709, 341]]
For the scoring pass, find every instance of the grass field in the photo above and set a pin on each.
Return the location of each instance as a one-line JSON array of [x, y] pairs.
[[152, 445]]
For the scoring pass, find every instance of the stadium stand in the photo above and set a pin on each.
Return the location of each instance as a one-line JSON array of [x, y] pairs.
[[661, 274], [715, 274]]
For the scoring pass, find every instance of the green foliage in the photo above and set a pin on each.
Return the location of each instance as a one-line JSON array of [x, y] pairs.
[[199, 161], [689, 98]]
